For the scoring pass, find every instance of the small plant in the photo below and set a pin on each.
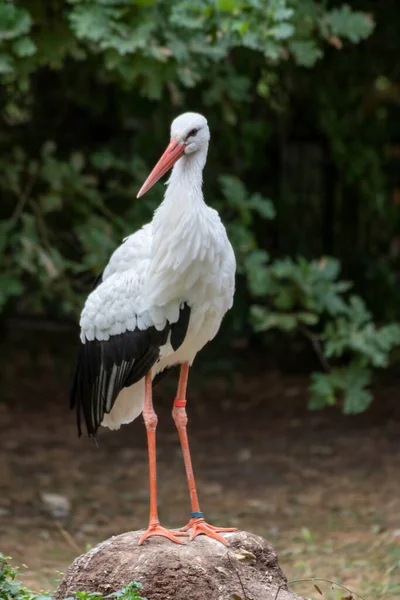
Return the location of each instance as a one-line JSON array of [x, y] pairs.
[[12, 589], [128, 592], [85, 596]]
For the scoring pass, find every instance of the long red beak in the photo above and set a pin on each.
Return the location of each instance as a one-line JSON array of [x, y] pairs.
[[173, 152]]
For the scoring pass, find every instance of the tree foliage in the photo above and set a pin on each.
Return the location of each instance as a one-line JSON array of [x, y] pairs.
[[88, 88]]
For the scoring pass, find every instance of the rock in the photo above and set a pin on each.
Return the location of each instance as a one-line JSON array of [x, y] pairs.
[[58, 505], [203, 569]]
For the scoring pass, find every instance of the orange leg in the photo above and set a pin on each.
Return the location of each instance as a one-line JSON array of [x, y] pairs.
[[150, 419], [197, 524]]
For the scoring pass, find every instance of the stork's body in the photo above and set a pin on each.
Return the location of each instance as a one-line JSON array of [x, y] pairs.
[[160, 299]]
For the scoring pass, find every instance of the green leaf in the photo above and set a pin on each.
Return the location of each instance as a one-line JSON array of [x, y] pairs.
[[356, 397], [332, 302], [233, 189], [322, 391], [305, 52], [14, 21], [263, 320], [357, 311], [262, 206], [51, 202], [350, 382], [144, 3], [77, 161], [6, 228], [329, 267], [282, 12], [259, 281], [256, 259], [9, 286], [283, 31], [308, 318], [6, 64], [227, 5], [344, 22], [24, 47]]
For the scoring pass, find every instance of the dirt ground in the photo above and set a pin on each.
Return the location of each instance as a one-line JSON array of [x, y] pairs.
[[324, 489]]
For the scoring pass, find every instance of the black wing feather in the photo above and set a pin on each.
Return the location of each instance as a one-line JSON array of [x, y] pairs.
[[98, 281], [179, 329], [104, 368]]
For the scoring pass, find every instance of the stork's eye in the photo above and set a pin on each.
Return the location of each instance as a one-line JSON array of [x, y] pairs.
[[192, 133]]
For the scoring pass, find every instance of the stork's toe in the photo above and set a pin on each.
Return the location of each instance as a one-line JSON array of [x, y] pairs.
[[198, 526], [157, 529]]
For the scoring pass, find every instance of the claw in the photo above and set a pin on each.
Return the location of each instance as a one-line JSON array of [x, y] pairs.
[[198, 526], [157, 529]]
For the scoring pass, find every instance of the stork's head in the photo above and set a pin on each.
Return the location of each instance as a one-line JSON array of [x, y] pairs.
[[191, 131], [189, 134]]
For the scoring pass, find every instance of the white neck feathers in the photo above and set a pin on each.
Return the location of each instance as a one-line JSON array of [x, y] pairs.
[[183, 198], [187, 177], [180, 227]]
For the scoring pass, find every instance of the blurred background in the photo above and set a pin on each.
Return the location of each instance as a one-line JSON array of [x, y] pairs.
[[303, 103]]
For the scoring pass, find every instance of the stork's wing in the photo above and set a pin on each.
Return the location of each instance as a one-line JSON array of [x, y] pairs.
[[105, 367], [121, 334]]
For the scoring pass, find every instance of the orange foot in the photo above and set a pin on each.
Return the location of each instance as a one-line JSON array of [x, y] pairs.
[[157, 529], [198, 526]]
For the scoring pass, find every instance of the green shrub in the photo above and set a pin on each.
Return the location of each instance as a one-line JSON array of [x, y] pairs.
[[88, 88], [11, 588]]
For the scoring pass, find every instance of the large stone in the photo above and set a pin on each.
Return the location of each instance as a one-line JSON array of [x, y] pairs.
[[197, 570]]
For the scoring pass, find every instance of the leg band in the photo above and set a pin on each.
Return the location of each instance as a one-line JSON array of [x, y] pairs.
[[196, 515], [179, 403]]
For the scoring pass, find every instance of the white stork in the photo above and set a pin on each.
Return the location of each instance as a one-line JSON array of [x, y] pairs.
[[160, 299]]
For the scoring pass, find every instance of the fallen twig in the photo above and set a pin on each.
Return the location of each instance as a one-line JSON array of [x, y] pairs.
[[68, 537], [313, 580]]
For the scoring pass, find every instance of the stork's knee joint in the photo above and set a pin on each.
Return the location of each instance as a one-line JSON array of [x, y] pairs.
[[179, 414], [150, 419]]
